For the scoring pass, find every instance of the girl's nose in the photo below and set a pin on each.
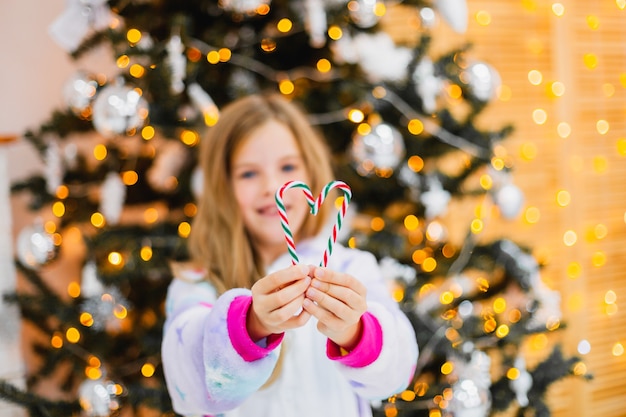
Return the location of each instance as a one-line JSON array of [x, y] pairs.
[[272, 183]]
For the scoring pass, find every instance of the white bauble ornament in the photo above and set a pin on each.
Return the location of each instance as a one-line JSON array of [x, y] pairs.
[[510, 200], [112, 197], [197, 183], [363, 13], [54, 169], [454, 12], [427, 84], [381, 149], [523, 383], [436, 199], [483, 81], [79, 91], [177, 63], [70, 155], [380, 58], [90, 285], [316, 22], [35, 247], [428, 17], [118, 109]]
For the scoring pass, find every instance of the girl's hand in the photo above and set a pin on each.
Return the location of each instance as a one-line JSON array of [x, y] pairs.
[[276, 299], [338, 301]]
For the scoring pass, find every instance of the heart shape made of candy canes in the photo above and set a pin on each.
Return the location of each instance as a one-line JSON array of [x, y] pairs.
[[314, 204]]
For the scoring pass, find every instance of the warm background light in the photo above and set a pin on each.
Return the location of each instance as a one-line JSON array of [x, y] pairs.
[[562, 64]]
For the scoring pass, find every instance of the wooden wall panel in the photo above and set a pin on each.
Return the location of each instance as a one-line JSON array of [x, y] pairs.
[[526, 35]]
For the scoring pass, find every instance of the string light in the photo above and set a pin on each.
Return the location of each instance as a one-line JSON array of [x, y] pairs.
[[535, 77], [58, 209], [133, 36], [100, 152], [584, 347], [335, 32], [483, 18], [115, 259], [123, 61], [377, 224], [73, 289], [213, 57], [411, 222], [130, 177], [98, 220], [415, 127], [147, 370], [56, 341], [72, 335], [184, 230], [563, 198], [151, 215], [558, 9], [224, 54], [564, 130], [62, 193], [284, 25]]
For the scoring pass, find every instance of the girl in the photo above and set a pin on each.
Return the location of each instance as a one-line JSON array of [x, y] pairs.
[[249, 334]]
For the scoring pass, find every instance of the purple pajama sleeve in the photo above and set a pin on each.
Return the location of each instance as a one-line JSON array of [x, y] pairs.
[[210, 363]]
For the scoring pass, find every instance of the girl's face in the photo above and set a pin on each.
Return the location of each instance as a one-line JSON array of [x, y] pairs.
[[261, 164]]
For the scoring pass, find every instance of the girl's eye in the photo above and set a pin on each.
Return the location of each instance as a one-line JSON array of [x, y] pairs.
[[289, 167], [247, 174]]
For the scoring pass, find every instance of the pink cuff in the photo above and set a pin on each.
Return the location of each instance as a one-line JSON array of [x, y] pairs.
[[366, 350], [238, 332]]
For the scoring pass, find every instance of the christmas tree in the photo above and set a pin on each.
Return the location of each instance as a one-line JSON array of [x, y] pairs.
[[404, 129]]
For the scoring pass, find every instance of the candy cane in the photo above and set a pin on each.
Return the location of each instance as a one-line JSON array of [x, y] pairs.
[[315, 205]]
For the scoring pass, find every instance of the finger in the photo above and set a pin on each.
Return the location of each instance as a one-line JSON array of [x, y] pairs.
[[334, 306], [288, 293], [286, 314], [345, 280], [279, 279], [327, 318], [344, 294]]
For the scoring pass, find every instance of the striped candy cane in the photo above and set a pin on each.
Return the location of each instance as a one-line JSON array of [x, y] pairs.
[[314, 204]]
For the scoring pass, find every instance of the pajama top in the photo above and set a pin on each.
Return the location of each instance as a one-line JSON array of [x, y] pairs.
[[213, 368]]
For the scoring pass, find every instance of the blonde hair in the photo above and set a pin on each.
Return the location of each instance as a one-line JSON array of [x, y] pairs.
[[218, 241]]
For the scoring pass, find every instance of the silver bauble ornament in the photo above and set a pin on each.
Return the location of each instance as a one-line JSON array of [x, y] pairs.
[[97, 397], [363, 13], [35, 247], [469, 399], [510, 200], [242, 6], [483, 81], [118, 109], [79, 91], [381, 149]]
